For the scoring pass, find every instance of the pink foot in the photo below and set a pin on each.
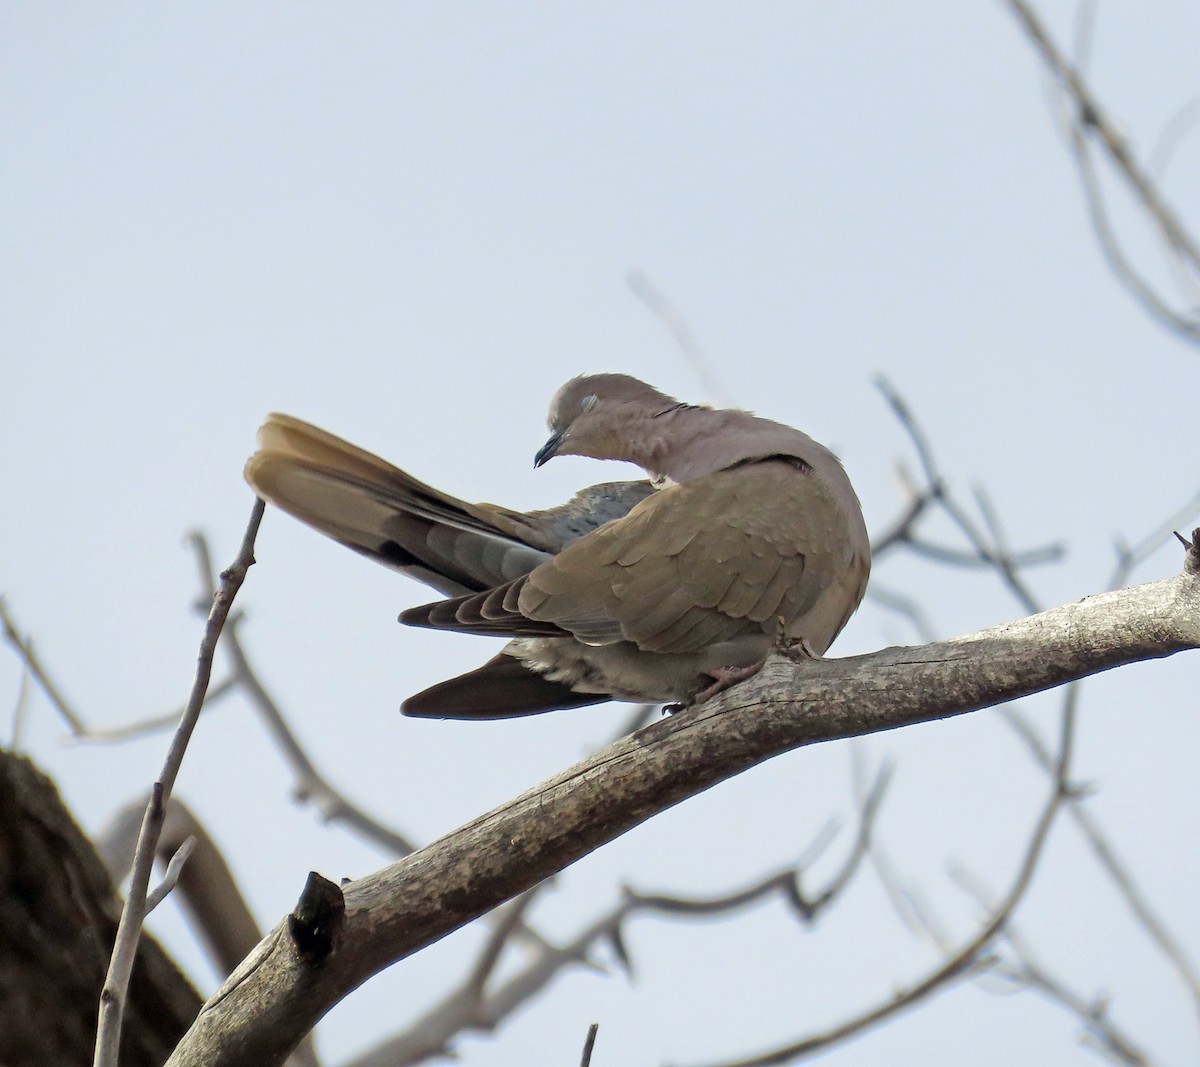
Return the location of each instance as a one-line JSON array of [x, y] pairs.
[[725, 677]]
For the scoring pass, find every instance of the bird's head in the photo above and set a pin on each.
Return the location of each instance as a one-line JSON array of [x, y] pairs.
[[605, 416]]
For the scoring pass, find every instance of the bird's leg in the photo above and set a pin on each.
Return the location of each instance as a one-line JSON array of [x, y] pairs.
[[799, 651], [785, 645], [722, 678], [725, 677]]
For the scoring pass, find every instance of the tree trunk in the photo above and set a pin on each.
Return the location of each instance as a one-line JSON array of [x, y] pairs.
[[58, 916]]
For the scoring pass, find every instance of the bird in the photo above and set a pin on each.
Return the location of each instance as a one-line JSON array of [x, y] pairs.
[[746, 534]]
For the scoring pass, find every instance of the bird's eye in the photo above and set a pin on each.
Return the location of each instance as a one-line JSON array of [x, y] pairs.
[[587, 403]]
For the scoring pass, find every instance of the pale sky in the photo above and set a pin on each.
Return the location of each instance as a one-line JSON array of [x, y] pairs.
[[409, 224]]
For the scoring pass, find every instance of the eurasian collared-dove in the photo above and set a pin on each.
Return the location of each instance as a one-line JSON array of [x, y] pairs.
[[626, 592]]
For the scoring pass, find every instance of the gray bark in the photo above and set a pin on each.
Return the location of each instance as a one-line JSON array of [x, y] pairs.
[[282, 990]]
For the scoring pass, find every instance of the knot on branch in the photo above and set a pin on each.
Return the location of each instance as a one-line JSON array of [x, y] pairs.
[[315, 921], [1191, 555]]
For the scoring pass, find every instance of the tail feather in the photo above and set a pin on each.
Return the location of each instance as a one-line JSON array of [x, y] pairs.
[[384, 513], [503, 688]]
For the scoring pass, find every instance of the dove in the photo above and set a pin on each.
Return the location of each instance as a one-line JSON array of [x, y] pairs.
[[748, 534]]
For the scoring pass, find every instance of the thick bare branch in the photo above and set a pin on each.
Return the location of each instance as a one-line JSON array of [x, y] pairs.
[[275, 997], [469, 1008]]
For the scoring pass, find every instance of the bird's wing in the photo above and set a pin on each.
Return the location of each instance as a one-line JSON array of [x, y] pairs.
[[693, 566]]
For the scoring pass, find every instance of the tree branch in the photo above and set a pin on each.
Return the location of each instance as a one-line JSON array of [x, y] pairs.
[[1088, 119], [276, 996], [116, 982]]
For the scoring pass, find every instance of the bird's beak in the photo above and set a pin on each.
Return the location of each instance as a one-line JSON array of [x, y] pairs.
[[550, 449]]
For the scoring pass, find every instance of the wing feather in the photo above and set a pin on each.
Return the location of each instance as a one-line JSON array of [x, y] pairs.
[[692, 566]]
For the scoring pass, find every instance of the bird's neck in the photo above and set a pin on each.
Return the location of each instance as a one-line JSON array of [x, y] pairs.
[[686, 443]]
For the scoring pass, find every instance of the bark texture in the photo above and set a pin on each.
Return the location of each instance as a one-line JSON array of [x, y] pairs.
[[279, 992], [58, 917]]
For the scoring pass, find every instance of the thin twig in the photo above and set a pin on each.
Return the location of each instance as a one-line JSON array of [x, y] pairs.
[[1116, 869], [907, 900], [589, 1043], [170, 877], [1175, 129], [34, 665], [1089, 118], [787, 883], [471, 1006], [1025, 972], [1129, 558], [311, 785], [20, 710], [1007, 564], [116, 982], [141, 727], [510, 917], [968, 960], [901, 530], [652, 297], [973, 560], [1110, 245], [1112, 139]]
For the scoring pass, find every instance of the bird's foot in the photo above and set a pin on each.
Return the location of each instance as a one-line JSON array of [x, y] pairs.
[[792, 647], [725, 677], [798, 651]]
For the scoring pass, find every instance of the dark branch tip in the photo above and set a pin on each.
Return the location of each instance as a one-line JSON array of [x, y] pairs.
[[1191, 557], [315, 921]]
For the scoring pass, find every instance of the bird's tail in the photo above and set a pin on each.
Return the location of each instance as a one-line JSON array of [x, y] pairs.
[[376, 509]]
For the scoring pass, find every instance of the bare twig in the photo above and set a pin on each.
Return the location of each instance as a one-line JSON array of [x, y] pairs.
[[170, 877], [509, 917], [472, 1006], [1181, 324], [906, 902], [991, 552], [33, 664], [141, 727], [970, 959], [649, 294], [20, 710], [1025, 972], [116, 982], [1174, 130], [1089, 118], [1129, 558], [901, 530], [1112, 864], [905, 606], [788, 883], [975, 559], [311, 785], [589, 1043]]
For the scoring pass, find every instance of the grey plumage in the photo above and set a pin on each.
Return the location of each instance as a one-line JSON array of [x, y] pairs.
[[624, 593]]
